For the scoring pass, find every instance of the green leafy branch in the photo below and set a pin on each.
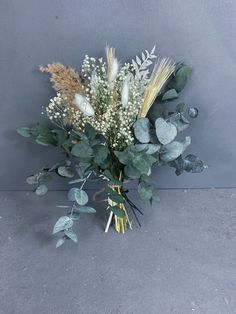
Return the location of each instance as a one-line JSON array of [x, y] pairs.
[[64, 224]]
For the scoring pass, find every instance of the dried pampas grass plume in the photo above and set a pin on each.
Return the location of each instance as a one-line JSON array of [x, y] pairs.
[[64, 79], [160, 74]]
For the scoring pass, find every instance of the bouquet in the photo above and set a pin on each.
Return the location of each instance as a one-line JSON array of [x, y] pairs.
[[112, 124]]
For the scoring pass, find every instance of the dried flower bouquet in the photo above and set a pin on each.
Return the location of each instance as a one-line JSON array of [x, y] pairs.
[[112, 124]]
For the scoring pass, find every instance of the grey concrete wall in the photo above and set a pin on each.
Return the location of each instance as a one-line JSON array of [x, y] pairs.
[[200, 32]]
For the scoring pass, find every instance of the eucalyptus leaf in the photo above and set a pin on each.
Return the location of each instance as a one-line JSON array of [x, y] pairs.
[[39, 129], [179, 83], [63, 223], [82, 149], [172, 151], [60, 242], [132, 172], [76, 181], [89, 131], [145, 191], [193, 164], [181, 108], [65, 172], [141, 130], [148, 148], [71, 194], [71, 235], [143, 162], [178, 165], [165, 131], [184, 70], [123, 157], [171, 94], [181, 123], [86, 209], [193, 112], [41, 190], [45, 140], [119, 212], [60, 135], [114, 196], [32, 179], [100, 154], [81, 197], [63, 206], [24, 131]]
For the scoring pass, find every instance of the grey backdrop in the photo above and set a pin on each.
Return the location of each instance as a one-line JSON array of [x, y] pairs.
[[200, 32]]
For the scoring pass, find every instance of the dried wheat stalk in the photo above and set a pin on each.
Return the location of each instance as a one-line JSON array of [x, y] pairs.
[[160, 74]]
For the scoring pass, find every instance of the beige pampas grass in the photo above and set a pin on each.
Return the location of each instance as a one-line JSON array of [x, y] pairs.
[[160, 74], [65, 80]]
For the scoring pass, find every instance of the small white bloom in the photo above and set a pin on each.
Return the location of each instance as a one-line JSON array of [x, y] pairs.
[[83, 105]]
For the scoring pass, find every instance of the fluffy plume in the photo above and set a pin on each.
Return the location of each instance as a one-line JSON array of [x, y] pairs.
[[160, 74], [112, 65], [64, 79], [83, 105], [125, 93]]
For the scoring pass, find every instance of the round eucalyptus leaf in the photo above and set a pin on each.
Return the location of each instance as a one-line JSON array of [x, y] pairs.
[[81, 197], [141, 130], [65, 172], [165, 131], [41, 190], [71, 194], [172, 151], [193, 112], [32, 179]]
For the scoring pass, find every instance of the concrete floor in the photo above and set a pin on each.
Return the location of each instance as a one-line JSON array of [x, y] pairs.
[[182, 260]]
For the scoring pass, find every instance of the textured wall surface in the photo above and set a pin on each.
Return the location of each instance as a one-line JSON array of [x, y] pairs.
[[202, 33]]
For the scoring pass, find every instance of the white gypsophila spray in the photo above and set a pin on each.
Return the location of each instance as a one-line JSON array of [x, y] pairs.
[[83, 105]]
